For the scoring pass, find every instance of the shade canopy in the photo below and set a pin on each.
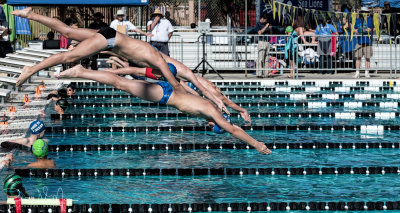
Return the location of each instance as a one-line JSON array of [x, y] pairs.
[[80, 2]]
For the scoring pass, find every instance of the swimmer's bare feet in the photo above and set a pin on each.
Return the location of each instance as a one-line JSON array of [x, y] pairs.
[[25, 13], [25, 74], [262, 148], [71, 73]]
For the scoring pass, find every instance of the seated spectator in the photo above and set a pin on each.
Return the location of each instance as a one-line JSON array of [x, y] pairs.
[[50, 43], [302, 31], [324, 32], [98, 22]]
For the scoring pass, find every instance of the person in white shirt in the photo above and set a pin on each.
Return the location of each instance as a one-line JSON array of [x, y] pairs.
[[162, 30], [5, 44], [124, 26]]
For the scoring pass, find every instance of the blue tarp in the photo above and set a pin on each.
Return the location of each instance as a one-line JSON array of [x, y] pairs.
[[21, 24], [78, 2], [379, 3], [393, 3]]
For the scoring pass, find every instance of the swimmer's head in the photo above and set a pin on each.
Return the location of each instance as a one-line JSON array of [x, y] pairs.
[[217, 129], [37, 127], [62, 103], [40, 148], [172, 68], [13, 186], [70, 90], [62, 93]]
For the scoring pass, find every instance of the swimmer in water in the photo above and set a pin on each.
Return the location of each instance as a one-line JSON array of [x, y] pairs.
[[94, 41], [37, 130], [60, 106], [40, 149], [13, 187], [163, 93]]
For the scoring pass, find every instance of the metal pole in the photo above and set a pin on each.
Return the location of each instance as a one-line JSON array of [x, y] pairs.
[[199, 13], [245, 39]]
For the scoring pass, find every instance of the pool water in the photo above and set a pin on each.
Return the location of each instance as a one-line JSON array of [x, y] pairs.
[[87, 112]]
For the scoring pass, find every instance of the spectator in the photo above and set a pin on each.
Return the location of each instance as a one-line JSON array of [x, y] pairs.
[[302, 31], [386, 23], [124, 26], [98, 22], [291, 48], [5, 44], [50, 36], [324, 50], [162, 30], [65, 42], [364, 42], [168, 16], [346, 44], [262, 27]]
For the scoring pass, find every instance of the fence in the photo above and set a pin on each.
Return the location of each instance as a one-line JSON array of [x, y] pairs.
[[265, 55]]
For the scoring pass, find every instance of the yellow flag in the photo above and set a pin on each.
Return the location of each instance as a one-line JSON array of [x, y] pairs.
[[316, 20], [376, 23], [294, 14], [353, 23], [273, 9], [365, 15], [345, 17], [279, 12]]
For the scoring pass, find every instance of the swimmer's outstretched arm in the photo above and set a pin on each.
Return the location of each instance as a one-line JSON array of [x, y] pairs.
[[22, 141], [186, 74]]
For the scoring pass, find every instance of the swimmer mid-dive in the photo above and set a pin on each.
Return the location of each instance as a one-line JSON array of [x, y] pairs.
[[94, 41], [186, 81], [163, 93]]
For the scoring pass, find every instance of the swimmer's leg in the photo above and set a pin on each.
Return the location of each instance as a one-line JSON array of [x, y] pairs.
[[78, 34], [85, 48], [141, 89]]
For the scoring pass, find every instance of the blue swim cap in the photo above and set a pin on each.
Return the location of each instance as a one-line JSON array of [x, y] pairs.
[[172, 68], [218, 129], [37, 127], [155, 48]]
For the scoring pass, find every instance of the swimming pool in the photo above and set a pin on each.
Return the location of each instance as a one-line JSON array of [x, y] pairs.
[[335, 147]]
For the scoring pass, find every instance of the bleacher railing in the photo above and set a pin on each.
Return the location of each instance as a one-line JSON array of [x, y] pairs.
[[265, 54]]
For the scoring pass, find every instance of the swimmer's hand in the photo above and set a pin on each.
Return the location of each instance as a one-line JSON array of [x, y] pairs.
[[262, 148], [221, 106], [245, 115]]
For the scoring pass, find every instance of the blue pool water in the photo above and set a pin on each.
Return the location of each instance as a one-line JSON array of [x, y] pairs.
[[220, 188], [221, 158], [212, 189]]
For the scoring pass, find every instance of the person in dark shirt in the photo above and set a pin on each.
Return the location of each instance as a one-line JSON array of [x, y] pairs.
[[262, 27], [98, 22]]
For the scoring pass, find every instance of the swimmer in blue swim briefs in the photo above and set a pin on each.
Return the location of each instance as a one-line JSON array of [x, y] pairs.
[[163, 93]]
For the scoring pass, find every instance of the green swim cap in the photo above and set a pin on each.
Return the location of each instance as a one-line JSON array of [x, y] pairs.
[[289, 29], [12, 185], [40, 148]]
